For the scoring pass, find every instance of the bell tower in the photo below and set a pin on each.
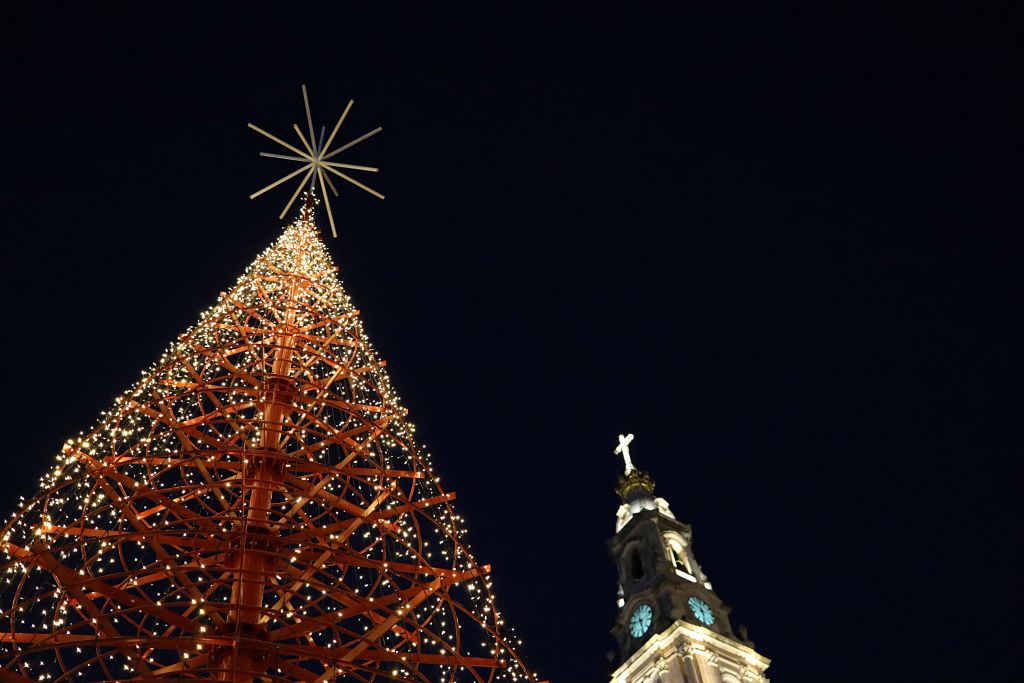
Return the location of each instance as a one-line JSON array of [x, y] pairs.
[[671, 627]]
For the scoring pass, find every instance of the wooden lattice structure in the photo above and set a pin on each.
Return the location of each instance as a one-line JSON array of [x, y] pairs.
[[256, 508]]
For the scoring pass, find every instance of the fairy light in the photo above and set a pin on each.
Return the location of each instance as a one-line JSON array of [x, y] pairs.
[[266, 443]]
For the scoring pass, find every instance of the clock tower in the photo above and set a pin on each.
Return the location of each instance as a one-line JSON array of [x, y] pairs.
[[671, 627]]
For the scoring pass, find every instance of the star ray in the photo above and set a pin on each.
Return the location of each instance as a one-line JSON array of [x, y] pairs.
[[353, 167], [337, 126], [353, 143], [282, 180], [355, 182], [280, 142], [309, 120], [305, 144], [330, 184], [298, 190], [327, 202], [281, 156]]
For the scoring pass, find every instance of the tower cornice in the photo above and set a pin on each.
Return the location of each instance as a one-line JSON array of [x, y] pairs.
[[685, 639]]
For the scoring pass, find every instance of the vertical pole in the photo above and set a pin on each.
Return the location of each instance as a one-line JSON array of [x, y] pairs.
[[257, 549]]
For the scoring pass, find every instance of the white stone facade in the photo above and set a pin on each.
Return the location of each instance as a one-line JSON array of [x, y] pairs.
[[687, 653]]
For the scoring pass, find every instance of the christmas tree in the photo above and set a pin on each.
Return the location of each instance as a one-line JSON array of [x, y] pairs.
[[256, 507]]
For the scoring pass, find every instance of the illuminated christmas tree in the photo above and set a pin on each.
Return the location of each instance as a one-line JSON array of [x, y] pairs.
[[255, 508]]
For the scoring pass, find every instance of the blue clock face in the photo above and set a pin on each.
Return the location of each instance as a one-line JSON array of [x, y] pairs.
[[640, 620], [701, 611]]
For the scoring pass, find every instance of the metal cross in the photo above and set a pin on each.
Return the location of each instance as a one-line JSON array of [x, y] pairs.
[[623, 450], [314, 159]]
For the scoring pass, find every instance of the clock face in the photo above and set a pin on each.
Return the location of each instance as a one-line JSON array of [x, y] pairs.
[[640, 620], [701, 611]]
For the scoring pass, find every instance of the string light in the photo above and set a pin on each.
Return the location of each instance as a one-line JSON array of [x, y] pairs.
[[256, 504]]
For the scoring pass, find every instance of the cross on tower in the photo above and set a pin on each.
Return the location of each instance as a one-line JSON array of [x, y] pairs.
[[623, 450]]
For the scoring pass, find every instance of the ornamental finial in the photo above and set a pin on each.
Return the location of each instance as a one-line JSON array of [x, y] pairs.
[[633, 482]]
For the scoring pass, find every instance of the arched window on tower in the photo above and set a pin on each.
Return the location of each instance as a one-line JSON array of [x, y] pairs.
[[636, 565], [677, 555]]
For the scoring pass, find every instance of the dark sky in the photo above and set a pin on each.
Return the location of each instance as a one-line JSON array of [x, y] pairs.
[[784, 249]]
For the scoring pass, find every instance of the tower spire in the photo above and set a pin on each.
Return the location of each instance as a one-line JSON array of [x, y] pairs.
[[671, 625], [634, 485]]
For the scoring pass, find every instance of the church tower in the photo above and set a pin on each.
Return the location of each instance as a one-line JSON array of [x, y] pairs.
[[671, 627]]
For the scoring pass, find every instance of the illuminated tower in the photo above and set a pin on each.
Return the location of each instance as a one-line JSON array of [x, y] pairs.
[[255, 508], [672, 627]]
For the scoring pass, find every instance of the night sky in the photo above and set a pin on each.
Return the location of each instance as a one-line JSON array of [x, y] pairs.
[[784, 250]]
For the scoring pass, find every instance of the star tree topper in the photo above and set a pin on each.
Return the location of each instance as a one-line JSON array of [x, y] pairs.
[[315, 162]]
